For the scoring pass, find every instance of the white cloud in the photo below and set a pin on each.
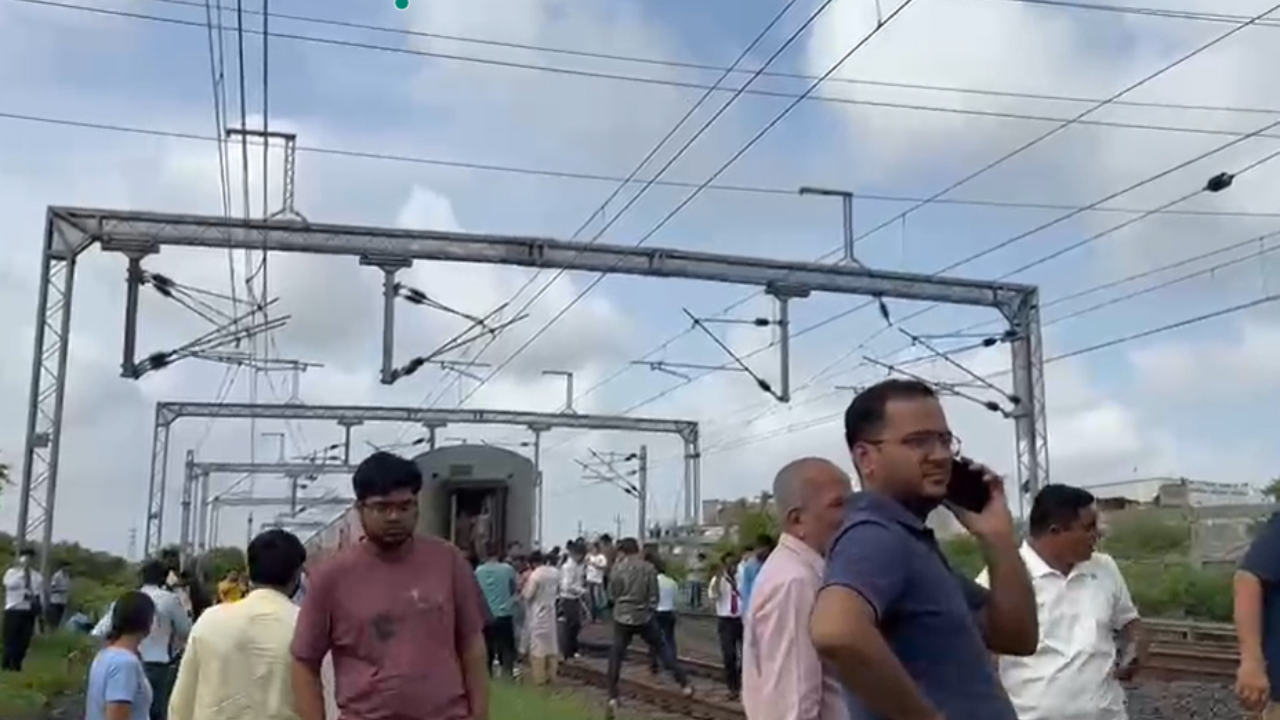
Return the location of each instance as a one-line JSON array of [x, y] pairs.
[[1102, 426]]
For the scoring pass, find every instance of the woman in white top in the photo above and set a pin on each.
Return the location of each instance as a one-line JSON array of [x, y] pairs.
[[664, 614], [540, 593]]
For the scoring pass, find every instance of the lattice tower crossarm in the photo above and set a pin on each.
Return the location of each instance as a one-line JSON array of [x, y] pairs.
[[70, 230], [198, 501], [167, 413]]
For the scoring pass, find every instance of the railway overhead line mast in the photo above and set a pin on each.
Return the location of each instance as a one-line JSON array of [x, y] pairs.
[[70, 231]]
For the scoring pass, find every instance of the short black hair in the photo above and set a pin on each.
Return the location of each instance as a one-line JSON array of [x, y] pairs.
[[154, 572], [865, 415], [27, 552], [606, 538], [1057, 505], [765, 540], [382, 473], [628, 546], [132, 614], [537, 558], [275, 556]]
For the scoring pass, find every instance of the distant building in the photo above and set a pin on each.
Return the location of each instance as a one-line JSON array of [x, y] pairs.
[[1174, 492]]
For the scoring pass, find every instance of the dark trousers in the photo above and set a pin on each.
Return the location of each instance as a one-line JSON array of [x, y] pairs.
[[666, 622], [569, 612], [161, 677], [19, 627], [652, 636], [53, 617], [729, 629], [696, 594], [596, 599], [500, 639]]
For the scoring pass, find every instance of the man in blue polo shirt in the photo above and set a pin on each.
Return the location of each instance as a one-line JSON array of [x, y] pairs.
[[909, 638], [1257, 616]]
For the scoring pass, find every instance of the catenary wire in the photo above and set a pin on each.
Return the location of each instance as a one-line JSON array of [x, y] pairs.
[[1220, 18], [698, 191], [649, 80], [734, 418], [1021, 236], [602, 178], [644, 162], [680, 65], [1089, 349]]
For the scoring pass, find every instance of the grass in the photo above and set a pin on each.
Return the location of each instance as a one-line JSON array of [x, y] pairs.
[[56, 666], [525, 702]]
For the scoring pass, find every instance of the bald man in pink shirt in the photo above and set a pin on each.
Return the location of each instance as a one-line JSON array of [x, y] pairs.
[[782, 676]]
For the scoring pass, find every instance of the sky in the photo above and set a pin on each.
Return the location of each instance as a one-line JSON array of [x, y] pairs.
[[950, 122]]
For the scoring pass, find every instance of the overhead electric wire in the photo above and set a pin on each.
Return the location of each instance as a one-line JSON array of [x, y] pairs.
[[782, 75], [661, 81], [593, 177], [733, 418], [1198, 50], [1144, 11], [644, 162], [1075, 245], [1040, 228], [698, 191], [1107, 344]]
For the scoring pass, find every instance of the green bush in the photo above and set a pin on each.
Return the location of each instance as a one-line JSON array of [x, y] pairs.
[[57, 665]]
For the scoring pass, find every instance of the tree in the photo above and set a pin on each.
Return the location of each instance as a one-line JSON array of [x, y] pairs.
[[1272, 490]]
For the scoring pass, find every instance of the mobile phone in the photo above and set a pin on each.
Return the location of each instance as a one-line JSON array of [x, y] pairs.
[[967, 488]]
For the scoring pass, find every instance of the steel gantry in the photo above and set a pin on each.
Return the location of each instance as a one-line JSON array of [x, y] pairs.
[[69, 231], [200, 507], [167, 413]]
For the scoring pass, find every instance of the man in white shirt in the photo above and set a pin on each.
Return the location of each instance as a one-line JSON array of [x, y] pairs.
[[1083, 605], [597, 564], [724, 594], [21, 605], [573, 595], [170, 629], [59, 596], [237, 665]]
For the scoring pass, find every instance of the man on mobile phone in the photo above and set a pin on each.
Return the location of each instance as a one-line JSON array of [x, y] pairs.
[[1090, 633], [909, 638]]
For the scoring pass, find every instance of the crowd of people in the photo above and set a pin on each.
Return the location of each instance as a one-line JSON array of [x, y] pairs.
[[853, 613]]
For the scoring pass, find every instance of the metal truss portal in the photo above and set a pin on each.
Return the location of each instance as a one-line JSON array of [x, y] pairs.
[[69, 231], [200, 507], [167, 413]]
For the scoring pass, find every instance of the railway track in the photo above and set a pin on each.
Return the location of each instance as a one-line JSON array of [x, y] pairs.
[[1181, 652], [636, 684]]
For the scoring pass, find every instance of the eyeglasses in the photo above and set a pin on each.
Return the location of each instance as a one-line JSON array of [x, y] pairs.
[[923, 443]]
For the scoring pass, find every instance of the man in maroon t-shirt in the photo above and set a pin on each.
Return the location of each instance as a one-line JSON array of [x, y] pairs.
[[401, 615]]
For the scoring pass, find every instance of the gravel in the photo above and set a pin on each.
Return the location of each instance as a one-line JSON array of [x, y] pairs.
[[1183, 700]]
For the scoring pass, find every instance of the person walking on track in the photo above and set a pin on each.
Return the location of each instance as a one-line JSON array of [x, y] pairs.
[[542, 637], [401, 615], [498, 583], [633, 586]]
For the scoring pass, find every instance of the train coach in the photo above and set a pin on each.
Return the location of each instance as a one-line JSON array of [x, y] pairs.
[[472, 495]]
